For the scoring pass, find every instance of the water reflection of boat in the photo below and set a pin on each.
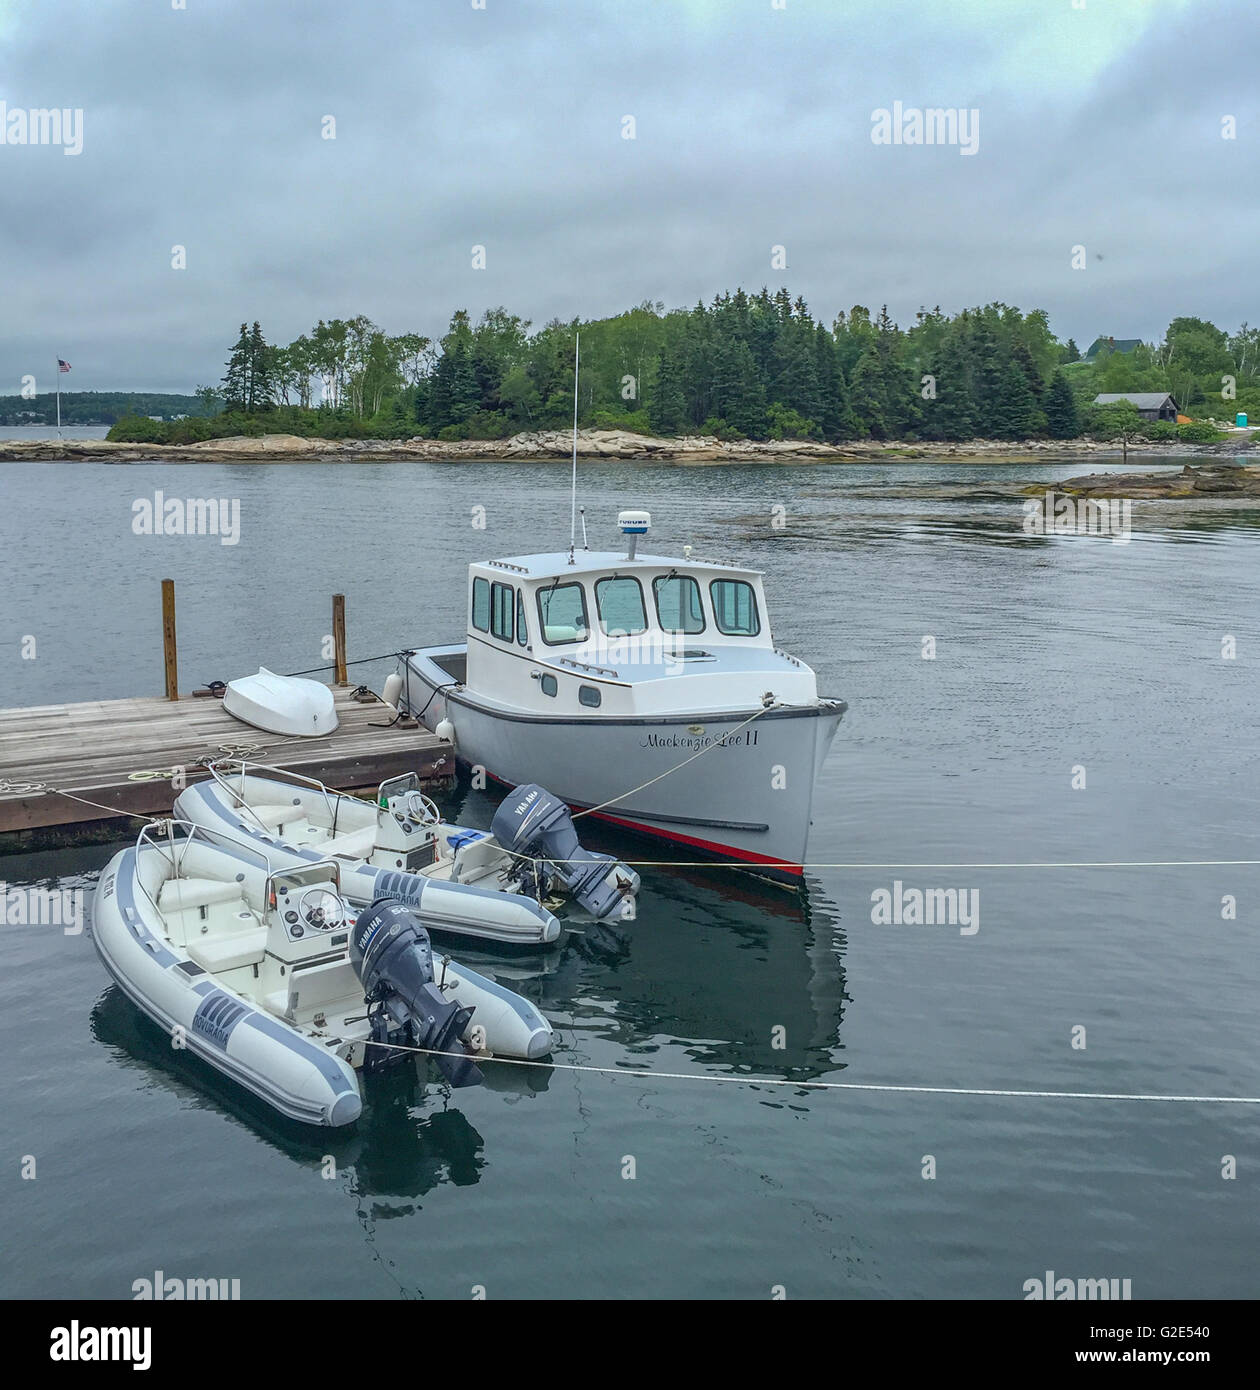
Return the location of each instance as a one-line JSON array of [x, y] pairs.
[[408, 1141], [736, 987], [751, 959]]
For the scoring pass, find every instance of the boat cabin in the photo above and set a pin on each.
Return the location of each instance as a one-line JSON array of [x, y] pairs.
[[600, 633]]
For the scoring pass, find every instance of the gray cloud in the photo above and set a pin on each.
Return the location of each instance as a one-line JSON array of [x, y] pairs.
[[502, 127]]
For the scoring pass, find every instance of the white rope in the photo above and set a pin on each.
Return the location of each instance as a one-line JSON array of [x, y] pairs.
[[1030, 864], [821, 1085]]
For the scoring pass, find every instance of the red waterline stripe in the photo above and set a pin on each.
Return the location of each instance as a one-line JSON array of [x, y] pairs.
[[723, 851]]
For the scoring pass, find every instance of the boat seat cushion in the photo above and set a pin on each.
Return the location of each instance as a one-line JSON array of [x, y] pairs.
[[315, 987], [179, 893], [230, 950], [355, 844], [273, 816]]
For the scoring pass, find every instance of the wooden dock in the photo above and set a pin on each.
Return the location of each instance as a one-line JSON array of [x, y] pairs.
[[119, 758]]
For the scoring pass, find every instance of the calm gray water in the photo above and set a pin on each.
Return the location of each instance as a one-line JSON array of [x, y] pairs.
[[1051, 654]]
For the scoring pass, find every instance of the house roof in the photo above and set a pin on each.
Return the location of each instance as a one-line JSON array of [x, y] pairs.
[[1141, 400], [1118, 344]]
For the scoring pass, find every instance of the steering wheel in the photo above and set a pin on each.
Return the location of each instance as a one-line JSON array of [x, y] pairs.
[[421, 809], [322, 909]]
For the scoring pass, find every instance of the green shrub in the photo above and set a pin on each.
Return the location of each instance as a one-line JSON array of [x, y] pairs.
[[633, 421], [137, 429], [1159, 431], [786, 423], [718, 427], [488, 424], [1198, 432]]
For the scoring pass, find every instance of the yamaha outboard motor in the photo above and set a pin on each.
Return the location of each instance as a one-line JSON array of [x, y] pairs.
[[391, 955], [531, 821]]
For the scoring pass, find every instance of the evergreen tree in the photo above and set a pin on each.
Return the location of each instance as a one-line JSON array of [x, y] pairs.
[[987, 378], [455, 393], [952, 415], [738, 395], [236, 379], [261, 385], [795, 379], [1071, 353], [1014, 415], [868, 396], [1024, 358], [667, 406], [884, 393], [836, 418], [1062, 419]]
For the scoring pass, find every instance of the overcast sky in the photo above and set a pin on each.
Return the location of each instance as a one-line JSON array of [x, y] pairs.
[[502, 127]]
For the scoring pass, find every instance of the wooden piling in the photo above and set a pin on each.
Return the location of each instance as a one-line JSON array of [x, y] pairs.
[[168, 639], [339, 639]]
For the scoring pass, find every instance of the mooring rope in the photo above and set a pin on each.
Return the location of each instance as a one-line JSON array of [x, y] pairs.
[[11, 788], [332, 666], [878, 1086]]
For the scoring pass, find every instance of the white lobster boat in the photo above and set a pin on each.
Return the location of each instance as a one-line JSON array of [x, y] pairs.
[[262, 969], [466, 881], [645, 689]]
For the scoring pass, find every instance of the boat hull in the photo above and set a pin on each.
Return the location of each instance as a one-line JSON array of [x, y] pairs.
[[735, 786], [300, 1076], [456, 908], [233, 1035], [282, 704]]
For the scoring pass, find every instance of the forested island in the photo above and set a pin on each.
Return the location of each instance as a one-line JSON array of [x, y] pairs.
[[756, 367], [101, 407]]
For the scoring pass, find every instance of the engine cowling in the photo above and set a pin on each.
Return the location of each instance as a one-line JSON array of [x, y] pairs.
[[393, 958], [534, 822]]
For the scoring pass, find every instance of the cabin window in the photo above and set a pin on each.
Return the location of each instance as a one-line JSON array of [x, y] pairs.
[[503, 611], [481, 605], [548, 684], [562, 610], [588, 695], [522, 632], [678, 603], [735, 608], [620, 604]]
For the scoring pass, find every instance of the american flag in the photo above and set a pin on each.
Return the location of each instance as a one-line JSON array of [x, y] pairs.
[[62, 366]]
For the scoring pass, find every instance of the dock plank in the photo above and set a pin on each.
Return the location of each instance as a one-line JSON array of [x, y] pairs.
[[108, 752]]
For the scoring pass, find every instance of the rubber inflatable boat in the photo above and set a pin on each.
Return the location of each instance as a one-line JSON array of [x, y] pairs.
[[264, 970], [281, 704], [489, 885]]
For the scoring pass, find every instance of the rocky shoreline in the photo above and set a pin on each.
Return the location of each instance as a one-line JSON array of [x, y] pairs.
[[1208, 480], [556, 445]]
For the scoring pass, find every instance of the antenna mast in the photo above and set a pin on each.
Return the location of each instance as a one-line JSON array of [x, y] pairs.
[[577, 353]]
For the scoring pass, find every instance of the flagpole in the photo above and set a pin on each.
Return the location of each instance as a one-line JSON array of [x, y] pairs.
[[577, 354], [59, 398]]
